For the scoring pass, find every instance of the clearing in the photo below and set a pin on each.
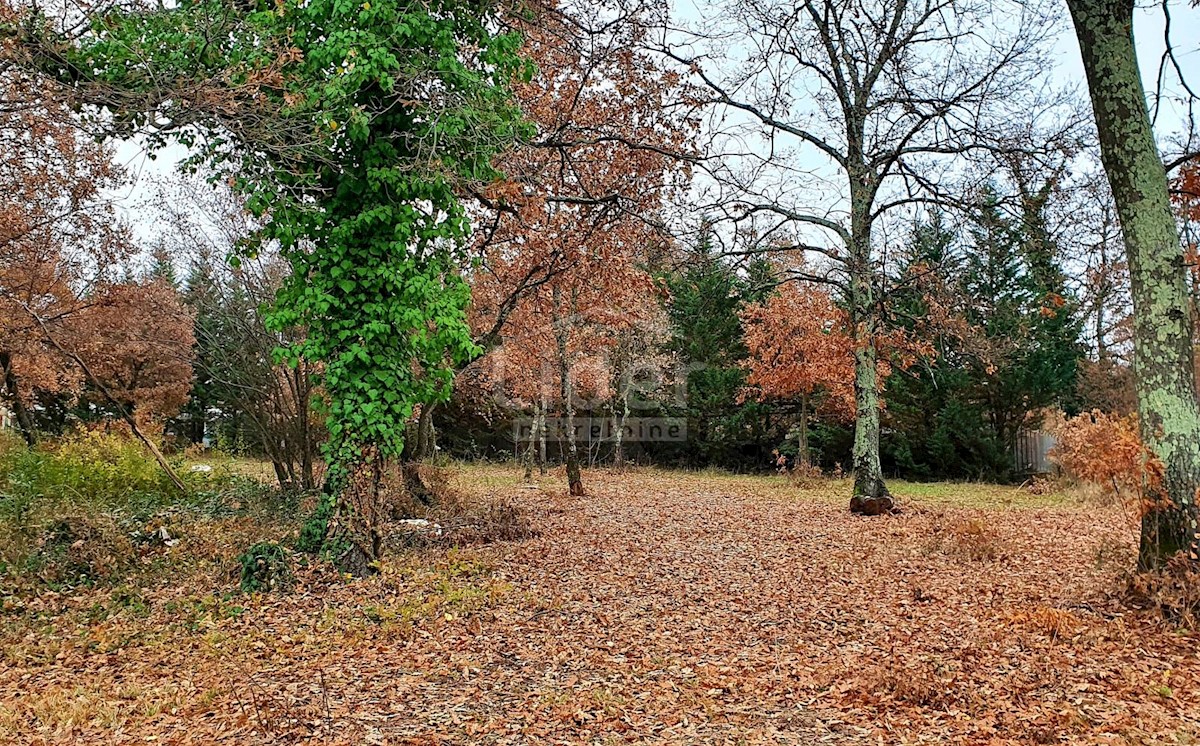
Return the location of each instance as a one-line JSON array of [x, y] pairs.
[[664, 607]]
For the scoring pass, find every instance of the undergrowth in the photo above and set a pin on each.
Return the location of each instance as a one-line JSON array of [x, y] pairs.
[[94, 508]]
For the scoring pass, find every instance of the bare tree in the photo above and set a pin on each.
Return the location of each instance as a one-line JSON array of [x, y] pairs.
[[237, 362], [846, 112]]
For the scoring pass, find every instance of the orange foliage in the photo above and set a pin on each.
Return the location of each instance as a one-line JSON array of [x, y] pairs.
[[61, 253], [137, 338], [1186, 191], [58, 236], [799, 347], [572, 228], [1105, 449]]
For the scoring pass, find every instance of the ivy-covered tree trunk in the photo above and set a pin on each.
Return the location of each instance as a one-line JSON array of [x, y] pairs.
[[1163, 363]]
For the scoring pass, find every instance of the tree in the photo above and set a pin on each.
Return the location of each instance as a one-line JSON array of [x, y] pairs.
[[351, 129], [889, 95], [136, 339], [800, 349], [60, 240], [567, 238], [1164, 367], [706, 294], [1020, 330], [242, 391], [639, 369]]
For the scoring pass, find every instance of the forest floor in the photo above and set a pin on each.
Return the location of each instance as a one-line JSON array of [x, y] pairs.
[[663, 607]]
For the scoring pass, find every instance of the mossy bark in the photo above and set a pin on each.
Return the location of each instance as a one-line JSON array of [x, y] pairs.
[[1163, 358], [870, 495]]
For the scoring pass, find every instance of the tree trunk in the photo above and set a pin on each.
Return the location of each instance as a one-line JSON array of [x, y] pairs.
[[1163, 364], [307, 446], [541, 436], [870, 495], [619, 456], [527, 456], [802, 445], [425, 439], [574, 477], [13, 391]]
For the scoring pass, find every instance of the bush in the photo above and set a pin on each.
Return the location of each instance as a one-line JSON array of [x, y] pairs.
[[266, 566], [94, 506], [100, 470], [1105, 450]]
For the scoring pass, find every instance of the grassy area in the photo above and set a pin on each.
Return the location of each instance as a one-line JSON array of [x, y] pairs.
[[977, 495]]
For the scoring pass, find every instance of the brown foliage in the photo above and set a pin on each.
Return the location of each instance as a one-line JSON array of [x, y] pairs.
[[137, 339], [698, 609], [568, 235], [61, 251], [1106, 450], [800, 347]]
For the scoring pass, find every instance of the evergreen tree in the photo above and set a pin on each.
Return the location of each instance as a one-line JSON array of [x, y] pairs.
[[705, 298]]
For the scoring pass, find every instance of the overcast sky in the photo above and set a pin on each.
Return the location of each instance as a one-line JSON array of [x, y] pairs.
[[1149, 27]]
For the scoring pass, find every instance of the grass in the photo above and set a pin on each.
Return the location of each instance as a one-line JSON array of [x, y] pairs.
[[972, 495]]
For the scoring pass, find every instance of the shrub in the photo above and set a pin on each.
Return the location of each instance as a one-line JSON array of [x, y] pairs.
[[92, 468], [1105, 450], [94, 507], [266, 566], [466, 519], [798, 473]]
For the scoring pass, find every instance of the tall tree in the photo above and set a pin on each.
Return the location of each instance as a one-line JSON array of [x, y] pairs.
[[1169, 416], [886, 94], [60, 240], [566, 239], [352, 129], [707, 292]]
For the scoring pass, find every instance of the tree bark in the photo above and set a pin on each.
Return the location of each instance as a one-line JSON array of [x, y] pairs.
[[13, 390], [1164, 369], [574, 476], [870, 495], [541, 436], [619, 456], [802, 445], [527, 456]]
